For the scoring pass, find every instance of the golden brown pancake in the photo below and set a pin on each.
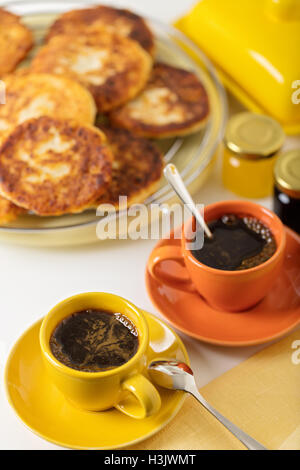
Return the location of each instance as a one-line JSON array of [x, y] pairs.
[[121, 21], [8, 211], [33, 95], [173, 103], [54, 166], [137, 168], [7, 17], [112, 67], [15, 41]]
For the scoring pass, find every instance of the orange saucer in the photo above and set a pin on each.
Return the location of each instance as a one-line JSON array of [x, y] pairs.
[[273, 317]]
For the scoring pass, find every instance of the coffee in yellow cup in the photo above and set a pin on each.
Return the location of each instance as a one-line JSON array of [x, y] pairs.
[[86, 384]]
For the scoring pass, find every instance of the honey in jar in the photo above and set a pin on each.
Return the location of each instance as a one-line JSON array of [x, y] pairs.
[[287, 189], [252, 142]]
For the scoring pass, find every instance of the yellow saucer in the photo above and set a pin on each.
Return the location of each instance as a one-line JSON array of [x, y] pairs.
[[44, 410]]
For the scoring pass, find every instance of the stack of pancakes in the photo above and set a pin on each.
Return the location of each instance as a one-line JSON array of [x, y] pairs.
[[96, 62]]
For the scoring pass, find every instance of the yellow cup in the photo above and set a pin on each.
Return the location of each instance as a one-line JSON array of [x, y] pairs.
[[124, 387]]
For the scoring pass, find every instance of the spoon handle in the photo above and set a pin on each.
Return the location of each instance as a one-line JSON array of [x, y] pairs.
[[247, 440], [174, 179]]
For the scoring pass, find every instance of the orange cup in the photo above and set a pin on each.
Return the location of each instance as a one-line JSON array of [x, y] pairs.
[[233, 291]]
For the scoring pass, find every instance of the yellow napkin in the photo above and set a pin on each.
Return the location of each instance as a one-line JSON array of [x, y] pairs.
[[261, 395]]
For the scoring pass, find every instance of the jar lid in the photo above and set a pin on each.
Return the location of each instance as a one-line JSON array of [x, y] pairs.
[[254, 135], [287, 171]]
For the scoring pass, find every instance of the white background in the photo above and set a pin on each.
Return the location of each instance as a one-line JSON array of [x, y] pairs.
[[33, 280]]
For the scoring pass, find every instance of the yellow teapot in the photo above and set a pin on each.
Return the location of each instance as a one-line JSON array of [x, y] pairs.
[[255, 45]]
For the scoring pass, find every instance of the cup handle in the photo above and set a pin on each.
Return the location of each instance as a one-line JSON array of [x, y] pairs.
[[143, 399], [171, 253]]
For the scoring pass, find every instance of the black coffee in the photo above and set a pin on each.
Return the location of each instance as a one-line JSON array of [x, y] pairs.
[[94, 341], [239, 242]]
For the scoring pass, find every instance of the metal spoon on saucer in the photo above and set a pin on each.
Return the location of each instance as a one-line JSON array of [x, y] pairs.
[[174, 179], [176, 375]]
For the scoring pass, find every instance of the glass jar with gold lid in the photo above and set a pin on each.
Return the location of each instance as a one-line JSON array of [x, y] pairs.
[[252, 142], [287, 189]]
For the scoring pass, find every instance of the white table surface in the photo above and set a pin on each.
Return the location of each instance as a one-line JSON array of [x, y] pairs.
[[33, 280]]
